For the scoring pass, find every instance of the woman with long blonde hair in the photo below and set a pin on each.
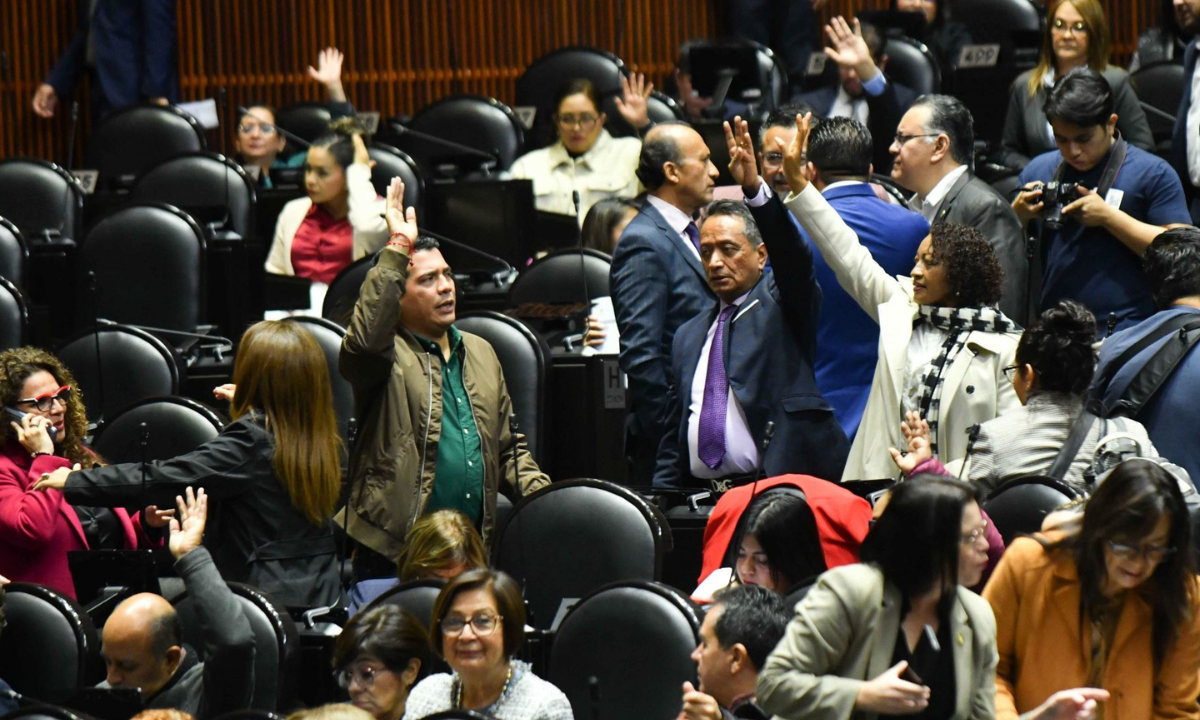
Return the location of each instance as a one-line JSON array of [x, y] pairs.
[[1076, 36], [273, 473]]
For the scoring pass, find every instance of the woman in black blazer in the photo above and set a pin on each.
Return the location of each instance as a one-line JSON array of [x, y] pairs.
[[1076, 35], [273, 474]]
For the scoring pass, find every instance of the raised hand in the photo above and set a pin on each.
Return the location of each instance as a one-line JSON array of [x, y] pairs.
[[698, 705], [917, 439], [795, 154], [632, 103], [402, 224], [156, 518], [849, 49], [188, 529], [45, 101], [741, 156], [328, 72]]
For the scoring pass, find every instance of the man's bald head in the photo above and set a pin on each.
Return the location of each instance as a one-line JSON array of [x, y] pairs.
[[142, 644], [675, 166]]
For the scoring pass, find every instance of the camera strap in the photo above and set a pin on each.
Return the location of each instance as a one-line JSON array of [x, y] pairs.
[[1115, 161]]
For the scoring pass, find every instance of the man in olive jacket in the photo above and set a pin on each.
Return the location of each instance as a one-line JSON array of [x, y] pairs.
[[431, 402]]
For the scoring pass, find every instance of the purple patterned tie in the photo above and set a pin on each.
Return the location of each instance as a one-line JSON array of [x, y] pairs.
[[693, 234], [711, 440]]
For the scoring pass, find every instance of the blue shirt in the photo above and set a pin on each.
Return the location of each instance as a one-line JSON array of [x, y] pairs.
[[847, 337], [1089, 264], [1172, 414]]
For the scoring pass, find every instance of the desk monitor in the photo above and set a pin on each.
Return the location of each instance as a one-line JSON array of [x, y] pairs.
[[494, 216], [555, 231], [735, 61]]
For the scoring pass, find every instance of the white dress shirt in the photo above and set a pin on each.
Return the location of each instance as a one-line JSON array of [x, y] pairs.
[[677, 219], [1193, 130], [606, 170], [928, 205], [741, 453]]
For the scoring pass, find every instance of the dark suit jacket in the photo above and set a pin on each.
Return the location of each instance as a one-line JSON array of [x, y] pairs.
[[1178, 158], [883, 115], [768, 349], [135, 56], [657, 285], [973, 202]]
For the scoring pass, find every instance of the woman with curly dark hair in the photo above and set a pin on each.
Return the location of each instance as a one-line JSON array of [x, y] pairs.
[[37, 529], [1053, 370], [943, 344]]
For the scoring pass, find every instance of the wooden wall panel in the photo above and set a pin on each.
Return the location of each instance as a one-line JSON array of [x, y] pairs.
[[400, 54]]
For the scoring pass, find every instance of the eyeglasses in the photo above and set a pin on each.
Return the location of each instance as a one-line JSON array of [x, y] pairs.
[[481, 623], [973, 537], [45, 401], [1010, 371], [900, 139], [1153, 553], [1076, 27], [585, 122], [264, 128], [364, 676]]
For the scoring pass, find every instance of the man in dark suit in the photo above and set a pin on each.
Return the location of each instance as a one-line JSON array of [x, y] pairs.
[[1185, 140], [933, 148], [748, 360], [657, 282], [128, 47], [863, 91]]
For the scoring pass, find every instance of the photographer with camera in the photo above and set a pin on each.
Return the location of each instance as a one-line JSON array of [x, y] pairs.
[[1099, 202]]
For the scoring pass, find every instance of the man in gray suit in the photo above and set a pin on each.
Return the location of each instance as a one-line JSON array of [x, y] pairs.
[[933, 150]]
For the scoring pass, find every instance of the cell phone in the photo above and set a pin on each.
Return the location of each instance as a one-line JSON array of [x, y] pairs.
[[911, 675], [17, 415]]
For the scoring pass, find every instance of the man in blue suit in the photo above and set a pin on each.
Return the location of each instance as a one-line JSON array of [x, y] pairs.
[[839, 164], [748, 360], [657, 282], [128, 47], [1185, 140]]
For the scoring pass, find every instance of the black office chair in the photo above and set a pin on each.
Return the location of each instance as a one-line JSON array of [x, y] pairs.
[[41, 199], [50, 648], [133, 363], [796, 593], [1007, 22], [560, 278], [14, 255], [524, 358], [911, 63], [660, 106], [415, 596], [307, 120], [546, 75], [548, 535], [342, 293], [174, 426], [634, 640], [328, 335], [479, 122], [1018, 506], [276, 644], [14, 317], [210, 187], [1160, 86], [390, 163], [149, 262], [134, 139]]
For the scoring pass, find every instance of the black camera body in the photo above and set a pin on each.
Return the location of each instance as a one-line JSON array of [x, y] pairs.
[[1055, 196]]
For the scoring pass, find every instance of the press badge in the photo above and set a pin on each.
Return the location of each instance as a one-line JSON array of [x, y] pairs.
[[1114, 197]]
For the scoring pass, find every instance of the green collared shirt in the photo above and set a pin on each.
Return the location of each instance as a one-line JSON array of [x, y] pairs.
[[458, 483]]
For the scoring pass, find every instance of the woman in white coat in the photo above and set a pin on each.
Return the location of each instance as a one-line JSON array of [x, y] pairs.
[[943, 345]]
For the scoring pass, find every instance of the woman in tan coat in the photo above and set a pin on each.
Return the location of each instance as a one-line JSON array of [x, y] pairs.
[[1110, 607]]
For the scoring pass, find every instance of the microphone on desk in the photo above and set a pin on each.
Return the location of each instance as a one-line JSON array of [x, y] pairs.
[[587, 296], [492, 158], [509, 270], [594, 695]]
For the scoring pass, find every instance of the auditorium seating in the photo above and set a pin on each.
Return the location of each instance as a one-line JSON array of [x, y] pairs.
[[624, 652], [523, 358], [14, 254], [343, 292], [210, 187], [49, 648], [276, 645], [174, 426], [415, 596], [134, 139], [160, 248], [912, 64], [131, 365], [546, 75], [482, 123], [560, 278], [328, 335], [1160, 87], [14, 317], [306, 120], [391, 162], [576, 536], [1018, 507], [41, 199]]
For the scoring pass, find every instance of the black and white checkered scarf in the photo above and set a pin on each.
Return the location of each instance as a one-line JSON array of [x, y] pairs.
[[958, 324]]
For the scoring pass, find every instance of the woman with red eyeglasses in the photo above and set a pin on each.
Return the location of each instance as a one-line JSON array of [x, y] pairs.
[[43, 430]]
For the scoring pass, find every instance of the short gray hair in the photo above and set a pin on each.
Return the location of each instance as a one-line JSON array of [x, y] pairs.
[[738, 209]]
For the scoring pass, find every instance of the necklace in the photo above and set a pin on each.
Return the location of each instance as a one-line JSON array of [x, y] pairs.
[[456, 692]]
